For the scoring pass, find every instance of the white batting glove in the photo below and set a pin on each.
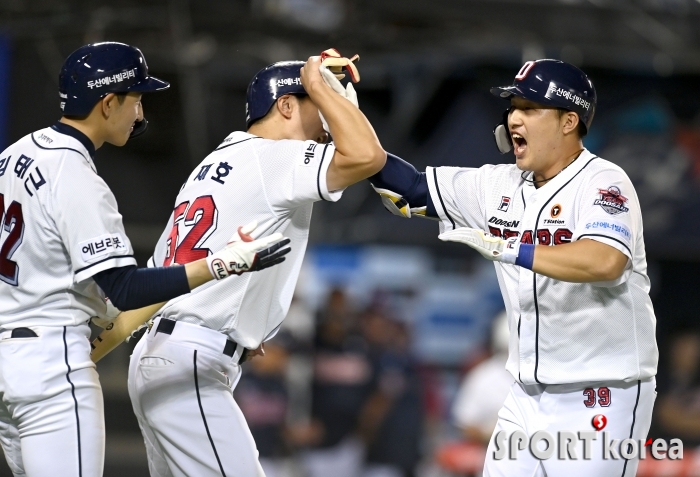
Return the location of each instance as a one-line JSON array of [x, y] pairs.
[[245, 254], [491, 247], [332, 59]]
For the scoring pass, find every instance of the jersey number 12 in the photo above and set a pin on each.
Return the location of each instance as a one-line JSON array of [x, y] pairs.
[[13, 223]]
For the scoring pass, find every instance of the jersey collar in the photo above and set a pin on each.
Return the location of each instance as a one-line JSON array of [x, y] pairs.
[[64, 128], [566, 174]]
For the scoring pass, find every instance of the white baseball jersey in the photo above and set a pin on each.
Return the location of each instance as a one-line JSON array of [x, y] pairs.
[[246, 178], [561, 332], [60, 226]]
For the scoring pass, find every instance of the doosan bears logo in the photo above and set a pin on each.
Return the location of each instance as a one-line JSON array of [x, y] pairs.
[[612, 201]]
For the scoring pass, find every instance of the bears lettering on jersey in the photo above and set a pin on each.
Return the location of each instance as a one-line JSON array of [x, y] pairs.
[[544, 236]]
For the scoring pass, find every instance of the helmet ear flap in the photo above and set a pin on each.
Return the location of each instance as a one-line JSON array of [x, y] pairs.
[[502, 135], [139, 128]]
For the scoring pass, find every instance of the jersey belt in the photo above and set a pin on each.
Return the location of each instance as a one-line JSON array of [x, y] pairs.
[[166, 326]]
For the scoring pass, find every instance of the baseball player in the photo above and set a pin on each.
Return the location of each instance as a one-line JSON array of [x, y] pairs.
[[183, 371], [564, 229], [63, 250]]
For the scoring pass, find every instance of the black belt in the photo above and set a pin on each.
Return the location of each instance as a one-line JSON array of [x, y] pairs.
[[167, 326]]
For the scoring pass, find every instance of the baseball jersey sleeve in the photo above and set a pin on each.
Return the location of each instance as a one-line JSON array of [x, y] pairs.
[[86, 215], [456, 193], [609, 212], [294, 173]]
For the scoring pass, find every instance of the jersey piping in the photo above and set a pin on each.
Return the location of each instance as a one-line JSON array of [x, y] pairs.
[[75, 401], [634, 418], [318, 175], [534, 275], [204, 418], [103, 260], [610, 238], [442, 203], [234, 143], [60, 148]]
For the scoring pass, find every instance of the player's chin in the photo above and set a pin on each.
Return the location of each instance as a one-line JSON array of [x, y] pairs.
[[121, 139], [522, 163]]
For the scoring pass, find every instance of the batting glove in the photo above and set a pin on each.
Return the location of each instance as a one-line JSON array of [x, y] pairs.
[[245, 254], [331, 70], [334, 61], [398, 205], [491, 247]]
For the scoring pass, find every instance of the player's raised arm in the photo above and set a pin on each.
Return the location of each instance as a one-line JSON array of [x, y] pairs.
[[358, 153]]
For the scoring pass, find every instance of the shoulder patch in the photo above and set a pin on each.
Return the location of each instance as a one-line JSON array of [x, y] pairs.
[[612, 201]]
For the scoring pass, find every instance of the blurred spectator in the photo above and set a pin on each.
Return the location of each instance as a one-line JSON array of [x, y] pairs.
[[391, 421], [342, 383], [484, 388], [678, 404]]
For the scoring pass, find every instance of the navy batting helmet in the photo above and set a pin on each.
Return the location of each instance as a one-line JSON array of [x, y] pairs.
[[270, 83], [93, 71], [553, 83]]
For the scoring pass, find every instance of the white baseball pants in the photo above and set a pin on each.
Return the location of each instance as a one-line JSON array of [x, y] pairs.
[[572, 407], [181, 386], [51, 413]]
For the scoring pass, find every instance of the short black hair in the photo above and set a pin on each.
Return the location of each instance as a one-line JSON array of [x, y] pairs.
[[581, 128]]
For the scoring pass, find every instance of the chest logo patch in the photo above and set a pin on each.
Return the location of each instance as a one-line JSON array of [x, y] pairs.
[[505, 202], [556, 211], [612, 201]]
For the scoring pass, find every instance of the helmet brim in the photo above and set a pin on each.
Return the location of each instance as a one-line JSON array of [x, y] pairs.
[[505, 92], [150, 84]]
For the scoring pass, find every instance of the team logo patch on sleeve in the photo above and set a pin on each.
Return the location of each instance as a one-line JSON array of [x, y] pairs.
[[505, 202], [612, 201]]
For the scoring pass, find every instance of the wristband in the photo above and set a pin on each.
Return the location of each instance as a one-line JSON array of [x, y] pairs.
[[526, 255], [511, 249]]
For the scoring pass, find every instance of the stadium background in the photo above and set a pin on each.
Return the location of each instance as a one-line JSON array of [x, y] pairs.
[[385, 286]]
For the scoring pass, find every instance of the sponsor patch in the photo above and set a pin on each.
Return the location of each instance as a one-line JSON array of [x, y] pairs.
[[98, 247], [308, 159], [612, 201], [512, 224], [610, 227], [556, 211], [505, 202], [554, 222]]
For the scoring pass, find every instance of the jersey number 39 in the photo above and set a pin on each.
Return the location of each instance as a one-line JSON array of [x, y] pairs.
[[13, 223], [200, 216]]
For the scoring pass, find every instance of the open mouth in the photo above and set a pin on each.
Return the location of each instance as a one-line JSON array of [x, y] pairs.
[[519, 144]]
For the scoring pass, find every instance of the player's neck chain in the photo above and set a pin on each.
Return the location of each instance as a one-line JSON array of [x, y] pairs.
[[541, 181]]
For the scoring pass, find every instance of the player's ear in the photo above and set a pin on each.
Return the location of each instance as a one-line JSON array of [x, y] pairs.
[[108, 104], [285, 106], [569, 122]]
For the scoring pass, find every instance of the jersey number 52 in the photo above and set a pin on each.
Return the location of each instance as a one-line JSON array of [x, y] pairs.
[[200, 216], [13, 223]]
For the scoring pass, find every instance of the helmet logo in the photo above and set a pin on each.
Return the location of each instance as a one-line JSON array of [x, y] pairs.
[[288, 82], [568, 94], [110, 79], [524, 70]]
